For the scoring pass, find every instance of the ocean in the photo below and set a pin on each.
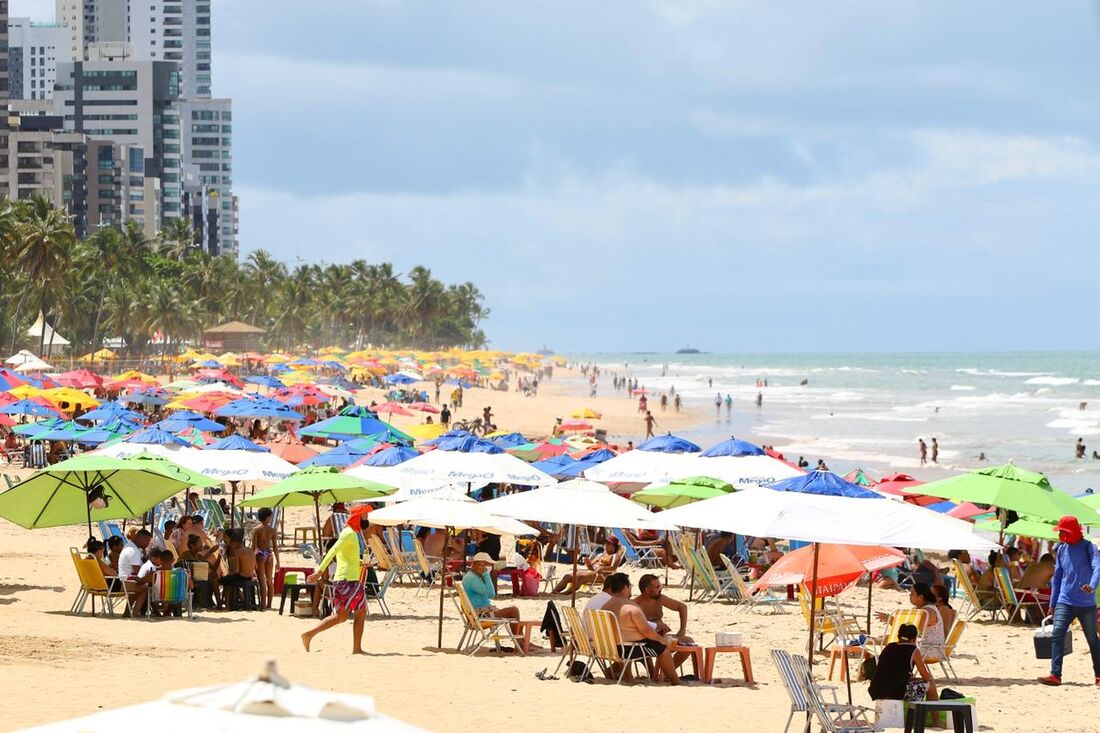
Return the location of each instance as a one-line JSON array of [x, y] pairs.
[[869, 410]]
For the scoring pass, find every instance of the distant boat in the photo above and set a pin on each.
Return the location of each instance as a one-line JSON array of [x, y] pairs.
[[688, 350], [545, 351]]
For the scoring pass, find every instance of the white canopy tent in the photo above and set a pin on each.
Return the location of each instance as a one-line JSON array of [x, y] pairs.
[[50, 339]]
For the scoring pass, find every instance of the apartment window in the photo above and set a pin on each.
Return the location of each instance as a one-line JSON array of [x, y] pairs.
[[106, 179]]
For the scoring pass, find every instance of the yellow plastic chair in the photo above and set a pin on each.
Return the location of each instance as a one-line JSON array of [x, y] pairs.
[[607, 641], [949, 646]]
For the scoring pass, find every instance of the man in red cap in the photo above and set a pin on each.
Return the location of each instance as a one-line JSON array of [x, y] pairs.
[[348, 598], [1073, 595]]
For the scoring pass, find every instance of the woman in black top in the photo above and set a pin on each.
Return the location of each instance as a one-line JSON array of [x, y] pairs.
[[894, 679]]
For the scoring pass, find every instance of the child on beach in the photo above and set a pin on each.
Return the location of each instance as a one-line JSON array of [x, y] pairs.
[[267, 556]]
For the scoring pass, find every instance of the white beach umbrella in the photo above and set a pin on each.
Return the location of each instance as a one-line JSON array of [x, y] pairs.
[[577, 502], [33, 365], [644, 467], [439, 468], [266, 703], [744, 471], [241, 465], [829, 519], [410, 486], [448, 510], [181, 454]]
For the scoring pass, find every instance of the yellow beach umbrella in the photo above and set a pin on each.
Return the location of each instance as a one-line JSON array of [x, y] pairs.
[[24, 391], [426, 431], [586, 413], [62, 396]]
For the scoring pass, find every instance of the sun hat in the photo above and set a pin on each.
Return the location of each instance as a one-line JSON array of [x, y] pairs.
[[355, 516], [612, 540], [1071, 527], [484, 557]]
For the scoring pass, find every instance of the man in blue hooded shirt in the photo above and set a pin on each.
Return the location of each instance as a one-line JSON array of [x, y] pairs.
[[1073, 595]]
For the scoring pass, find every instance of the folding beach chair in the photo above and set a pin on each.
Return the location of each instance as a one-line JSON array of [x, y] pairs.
[[832, 716], [377, 591], [170, 587], [93, 584], [1014, 600], [949, 647], [107, 530], [642, 557], [977, 605], [824, 624], [430, 567], [745, 598], [608, 644], [10, 481], [577, 641], [796, 690], [215, 516], [386, 561], [481, 630]]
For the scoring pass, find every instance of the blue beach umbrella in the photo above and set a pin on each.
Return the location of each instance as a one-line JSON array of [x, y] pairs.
[[391, 456], [400, 379], [579, 466], [26, 407], [669, 444], [237, 442], [511, 440], [344, 454], [824, 483], [265, 381], [467, 444], [34, 428], [186, 420], [733, 447], [155, 436], [109, 411]]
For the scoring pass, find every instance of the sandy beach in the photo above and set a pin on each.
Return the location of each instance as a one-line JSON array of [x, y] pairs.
[[65, 666]]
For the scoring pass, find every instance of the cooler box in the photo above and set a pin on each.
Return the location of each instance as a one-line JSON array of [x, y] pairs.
[[727, 638], [1044, 640]]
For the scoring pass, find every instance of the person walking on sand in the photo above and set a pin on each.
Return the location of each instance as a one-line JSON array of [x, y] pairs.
[[1073, 595], [923, 451], [935, 450], [649, 423], [1081, 448], [348, 598]]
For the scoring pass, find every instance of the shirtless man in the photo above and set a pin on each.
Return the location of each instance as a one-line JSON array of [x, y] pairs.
[[653, 604], [242, 561], [635, 627], [267, 556]]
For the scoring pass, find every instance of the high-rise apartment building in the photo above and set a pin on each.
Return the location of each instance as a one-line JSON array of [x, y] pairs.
[[174, 30], [206, 127], [92, 21], [48, 161], [33, 52], [5, 96], [133, 104]]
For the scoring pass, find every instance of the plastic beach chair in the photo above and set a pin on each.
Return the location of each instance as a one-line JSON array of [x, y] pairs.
[[481, 630], [949, 646], [607, 641], [171, 586]]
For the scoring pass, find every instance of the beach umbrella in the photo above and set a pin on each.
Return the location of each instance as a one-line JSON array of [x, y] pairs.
[[838, 567], [452, 511], [669, 443], [586, 413], [346, 427], [110, 430], [574, 425], [898, 484], [344, 454], [466, 444], [80, 379], [576, 502], [261, 407], [554, 465], [92, 487], [584, 463], [540, 451], [29, 430], [1025, 527], [29, 408], [315, 486], [1011, 488], [966, 510], [109, 411], [70, 431], [154, 435], [267, 702], [448, 435], [860, 478], [391, 456], [266, 381], [290, 448], [746, 469], [177, 422], [70, 396], [235, 459], [508, 440], [423, 407], [682, 491], [150, 397], [400, 379], [475, 469], [426, 431], [391, 408], [733, 448], [646, 467]]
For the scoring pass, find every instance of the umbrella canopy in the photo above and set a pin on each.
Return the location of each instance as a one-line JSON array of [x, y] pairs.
[[509, 440], [838, 566], [317, 485], [291, 449], [238, 459], [576, 502], [391, 456], [268, 703], [1013, 488], [346, 427], [576, 468], [187, 420], [682, 491], [966, 510], [400, 379], [28, 407], [265, 381], [449, 508], [586, 413], [261, 407], [441, 467], [669, 443], [154, 435], [391, 408], [1036, 528], [63, 494], [860, 478], [829, 519], [80, 379], [646, 467], [748, 469], [109, 411], [29, 430], [734, 448], [344, 454]]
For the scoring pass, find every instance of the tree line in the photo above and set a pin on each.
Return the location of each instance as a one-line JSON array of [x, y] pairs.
[[119, 283]]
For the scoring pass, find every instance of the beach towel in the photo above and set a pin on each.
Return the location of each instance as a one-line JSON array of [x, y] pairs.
[[551, 622]]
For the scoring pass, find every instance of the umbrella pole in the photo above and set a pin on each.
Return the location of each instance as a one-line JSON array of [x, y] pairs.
[[870, 587], [847, 668], [813, 608], [233, 505], [443, 583], [573, 590], [89, 539], [317, 514]]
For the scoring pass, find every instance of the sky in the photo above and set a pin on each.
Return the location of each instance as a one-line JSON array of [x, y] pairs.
[[640, 175]]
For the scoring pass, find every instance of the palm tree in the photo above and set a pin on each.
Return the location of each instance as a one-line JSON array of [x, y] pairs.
[[177, 238], [44, 242]]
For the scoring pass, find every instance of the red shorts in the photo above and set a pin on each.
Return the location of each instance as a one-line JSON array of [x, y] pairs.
[[348, 595]]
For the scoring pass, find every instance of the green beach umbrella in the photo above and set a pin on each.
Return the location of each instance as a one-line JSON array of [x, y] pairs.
[[1013, 488], [92, 487], [1027, 527], [318, 485], [682, 491]]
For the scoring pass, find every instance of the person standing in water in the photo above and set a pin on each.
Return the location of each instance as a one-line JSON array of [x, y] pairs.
[[729, 404], [718, 404], [759, 400], [923, 451], [935, 450]]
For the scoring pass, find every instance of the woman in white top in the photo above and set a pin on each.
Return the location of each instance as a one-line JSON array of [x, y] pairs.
[[934, 637]]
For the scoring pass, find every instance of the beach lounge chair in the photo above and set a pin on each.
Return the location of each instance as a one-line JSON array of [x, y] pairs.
[[975, 602], [481, 630], [215, 517], [642, 557], [824, 624], [574, 639], [107, 530], [609, 647], [410, 572], [832, 716], [745, 598], [10, 481], [950, 644], [1015, 600], [430, 567], [549, 580], [171, 587], [377, 592], [93, 584], [393, 542]]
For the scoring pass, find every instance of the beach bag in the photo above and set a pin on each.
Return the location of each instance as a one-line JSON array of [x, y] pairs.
[[526, 583], [1044, 640]]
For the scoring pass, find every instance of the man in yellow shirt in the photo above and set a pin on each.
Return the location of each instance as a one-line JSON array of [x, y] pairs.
[[348, 598]]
